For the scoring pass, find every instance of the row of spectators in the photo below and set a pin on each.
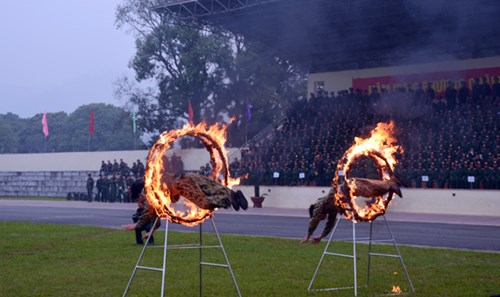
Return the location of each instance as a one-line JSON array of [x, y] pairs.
[[122, 168], [449, 146], [116, 178]]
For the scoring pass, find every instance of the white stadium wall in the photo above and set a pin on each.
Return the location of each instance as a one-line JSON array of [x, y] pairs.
[[55, 174], [343, 80], [423, 201], [91, 161]]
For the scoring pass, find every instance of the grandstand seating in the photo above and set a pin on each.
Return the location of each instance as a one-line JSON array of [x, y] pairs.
[[455, 146]]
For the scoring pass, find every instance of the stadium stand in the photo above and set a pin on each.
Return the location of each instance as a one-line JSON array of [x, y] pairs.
[[445, 145]]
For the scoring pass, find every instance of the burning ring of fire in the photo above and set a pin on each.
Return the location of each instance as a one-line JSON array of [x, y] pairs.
[[381, 148], [156, 189]]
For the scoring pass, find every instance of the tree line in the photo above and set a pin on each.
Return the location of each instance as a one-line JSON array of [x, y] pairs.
[[184, 64], [220, 73], [113, 130]]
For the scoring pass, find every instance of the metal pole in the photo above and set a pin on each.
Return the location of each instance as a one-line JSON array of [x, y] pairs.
[[138, 262], [324, 253], [201, 259], [225, 257], [164, 270], [354, 260], [369, 254], [399, 254]]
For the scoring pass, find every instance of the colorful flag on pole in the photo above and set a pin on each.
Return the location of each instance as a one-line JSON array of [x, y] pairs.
[[134, 125], [190, 112], [45, 126], [248, 111], [91, 126]]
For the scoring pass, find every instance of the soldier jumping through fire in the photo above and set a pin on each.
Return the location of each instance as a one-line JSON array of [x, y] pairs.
[[324, 207], [202, 191]]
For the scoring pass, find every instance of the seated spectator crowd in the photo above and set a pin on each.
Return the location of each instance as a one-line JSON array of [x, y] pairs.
[[449, 141]]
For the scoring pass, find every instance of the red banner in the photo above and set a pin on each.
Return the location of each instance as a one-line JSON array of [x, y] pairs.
[[45, 125], [438, 79], [190, 112]]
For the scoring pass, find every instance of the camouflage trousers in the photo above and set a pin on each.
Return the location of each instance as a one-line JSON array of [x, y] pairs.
[[202, 191]]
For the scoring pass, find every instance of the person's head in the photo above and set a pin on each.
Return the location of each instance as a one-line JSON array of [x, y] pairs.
[[136, 190]]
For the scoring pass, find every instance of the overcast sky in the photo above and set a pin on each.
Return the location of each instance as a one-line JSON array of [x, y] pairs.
[[57, 55]]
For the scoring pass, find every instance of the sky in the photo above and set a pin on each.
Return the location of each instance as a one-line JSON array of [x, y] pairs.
[[57, 55]]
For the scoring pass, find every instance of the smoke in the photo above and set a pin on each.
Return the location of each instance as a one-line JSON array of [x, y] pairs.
[[401, 105], [449, 30]]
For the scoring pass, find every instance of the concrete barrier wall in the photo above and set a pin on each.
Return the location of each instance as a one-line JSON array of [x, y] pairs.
[[43, 183], [91, 161], [56, 174], [426, 201]]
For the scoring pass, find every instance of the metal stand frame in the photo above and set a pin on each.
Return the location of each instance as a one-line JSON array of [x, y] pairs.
[[353, 256], [200, 246]]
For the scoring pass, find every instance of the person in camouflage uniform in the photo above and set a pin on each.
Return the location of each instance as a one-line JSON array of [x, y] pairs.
[[204, 192], [322, 209], [144, 217], [364, 187]]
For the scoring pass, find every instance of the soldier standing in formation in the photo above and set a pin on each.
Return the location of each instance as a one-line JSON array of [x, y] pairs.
[[105, 189], [113, 188], [100, 186], [90, 187]]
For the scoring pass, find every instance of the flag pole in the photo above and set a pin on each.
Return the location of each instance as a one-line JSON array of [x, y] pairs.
[[45, 130], [91, 128], [248, 115], [134, 125]]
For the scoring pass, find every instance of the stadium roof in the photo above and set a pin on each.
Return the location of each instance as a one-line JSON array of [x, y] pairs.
[[332, 35]]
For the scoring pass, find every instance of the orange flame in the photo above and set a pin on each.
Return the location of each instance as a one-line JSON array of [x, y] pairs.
[[156, 186], [396, 289], [381, 147]]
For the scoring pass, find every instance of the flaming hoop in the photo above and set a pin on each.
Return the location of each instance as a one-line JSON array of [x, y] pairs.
[[157, 191], [381, 148]]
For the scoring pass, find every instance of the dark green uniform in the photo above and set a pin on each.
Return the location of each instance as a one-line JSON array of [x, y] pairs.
[[322, 209], [90, 187], [105, 189], [99, 185], [113, 189]]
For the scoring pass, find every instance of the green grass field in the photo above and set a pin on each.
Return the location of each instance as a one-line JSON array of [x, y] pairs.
[[61, 260]]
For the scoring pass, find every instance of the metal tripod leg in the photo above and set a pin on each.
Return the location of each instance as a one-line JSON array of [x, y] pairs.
[[185, 246], [353, 256], [325, 252], [225, 257], [370, 253], [138, 266]]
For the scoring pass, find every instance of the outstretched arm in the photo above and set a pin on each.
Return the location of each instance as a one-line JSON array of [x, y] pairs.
[[330, 223]]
